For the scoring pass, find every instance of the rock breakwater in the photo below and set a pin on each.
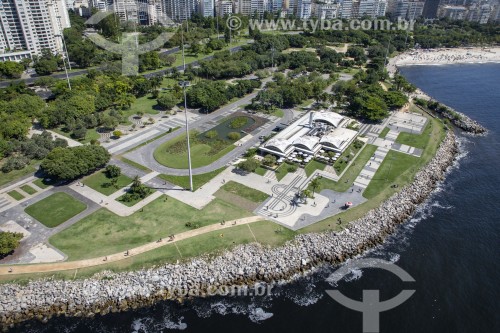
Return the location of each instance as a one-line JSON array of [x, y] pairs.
[[244, 265]]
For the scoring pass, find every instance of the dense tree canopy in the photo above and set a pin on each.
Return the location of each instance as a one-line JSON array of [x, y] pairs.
[[73, 162]]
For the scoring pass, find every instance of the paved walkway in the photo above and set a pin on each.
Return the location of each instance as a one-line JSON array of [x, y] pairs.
[[40, 268], [110, 201]]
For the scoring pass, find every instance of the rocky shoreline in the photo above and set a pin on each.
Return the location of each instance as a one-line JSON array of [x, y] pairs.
[[457, 118], [244, 265]]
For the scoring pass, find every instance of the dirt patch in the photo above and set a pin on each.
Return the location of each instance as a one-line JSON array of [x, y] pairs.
[[236, 200]]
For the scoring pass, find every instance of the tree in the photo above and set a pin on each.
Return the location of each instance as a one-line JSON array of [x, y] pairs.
[[113, 171], [248, 165], [11, 69], [9, 241], [72, 162], [136, 191], [314, 184], [269, 160], [167, 101]]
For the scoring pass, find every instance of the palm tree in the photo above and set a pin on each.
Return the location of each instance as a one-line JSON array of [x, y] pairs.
[[136, 183], [314, 184]]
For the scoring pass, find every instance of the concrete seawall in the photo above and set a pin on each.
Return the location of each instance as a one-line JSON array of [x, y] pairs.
[[246, 264]]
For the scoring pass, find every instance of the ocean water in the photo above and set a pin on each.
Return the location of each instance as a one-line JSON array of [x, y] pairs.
[[450, 247]]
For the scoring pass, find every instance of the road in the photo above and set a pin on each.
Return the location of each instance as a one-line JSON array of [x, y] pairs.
[[31, 80]]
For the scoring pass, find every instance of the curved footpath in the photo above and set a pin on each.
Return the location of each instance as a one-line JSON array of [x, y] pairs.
[[246, 264], [77, 264]]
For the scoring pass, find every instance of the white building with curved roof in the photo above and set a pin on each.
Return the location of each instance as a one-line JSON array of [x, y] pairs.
[[312, 132]]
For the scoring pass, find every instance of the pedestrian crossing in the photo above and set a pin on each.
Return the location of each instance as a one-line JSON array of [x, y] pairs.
[[171, 123], [4, 202]]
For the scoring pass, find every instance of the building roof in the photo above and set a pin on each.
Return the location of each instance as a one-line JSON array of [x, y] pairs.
[[307, 142], [338, 138], [332, 118]]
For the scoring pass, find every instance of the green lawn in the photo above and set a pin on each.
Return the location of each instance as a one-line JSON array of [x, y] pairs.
[[101, 183], [200, 154], [103, 232], [43, 183], [55, 209], [313, 166], [260, 171], [245, 192], [198, 180], [394, 164], [133, 164], [416, 140], [28, 189], [346, 157], [90, 135], [278, 113], [282, 170], [6, 178], [345, 182], [384, 132], [16, 195], [265, 232]]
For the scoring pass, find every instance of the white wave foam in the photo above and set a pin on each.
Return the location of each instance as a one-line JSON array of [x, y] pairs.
[[258, 314], [148, 324]]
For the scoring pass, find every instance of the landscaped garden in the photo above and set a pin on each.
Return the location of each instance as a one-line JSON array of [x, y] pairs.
[[100, 182], [55, 209], [346, 157]]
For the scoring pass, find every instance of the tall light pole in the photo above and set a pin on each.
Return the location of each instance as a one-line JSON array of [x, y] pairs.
[[185, 84], [64, 64]]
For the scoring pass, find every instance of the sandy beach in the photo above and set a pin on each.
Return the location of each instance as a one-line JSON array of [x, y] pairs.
[[444, 57]]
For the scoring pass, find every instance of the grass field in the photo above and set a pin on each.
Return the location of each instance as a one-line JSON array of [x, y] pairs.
[[282, 170], [245, 192], [55, 209], [198, 180], [200, 154], [345, 182], [346, 157], [90, 135], [16, 195], [416, 140], [260, 171], [99, 182], [103, 232], [43, 183], [313, 166], [384, 132], [265, 232], [28, 189]]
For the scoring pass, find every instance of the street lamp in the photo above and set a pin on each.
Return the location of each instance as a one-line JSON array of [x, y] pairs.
[[185, 84]]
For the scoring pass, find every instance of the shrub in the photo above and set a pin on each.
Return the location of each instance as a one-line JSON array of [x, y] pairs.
[[233, 136], [238, 122], [291, 167], [211, 134], [249, 165], [9, 241], [358, 144], [269, 160], [117, 134], [80, 133], [113, 171]]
